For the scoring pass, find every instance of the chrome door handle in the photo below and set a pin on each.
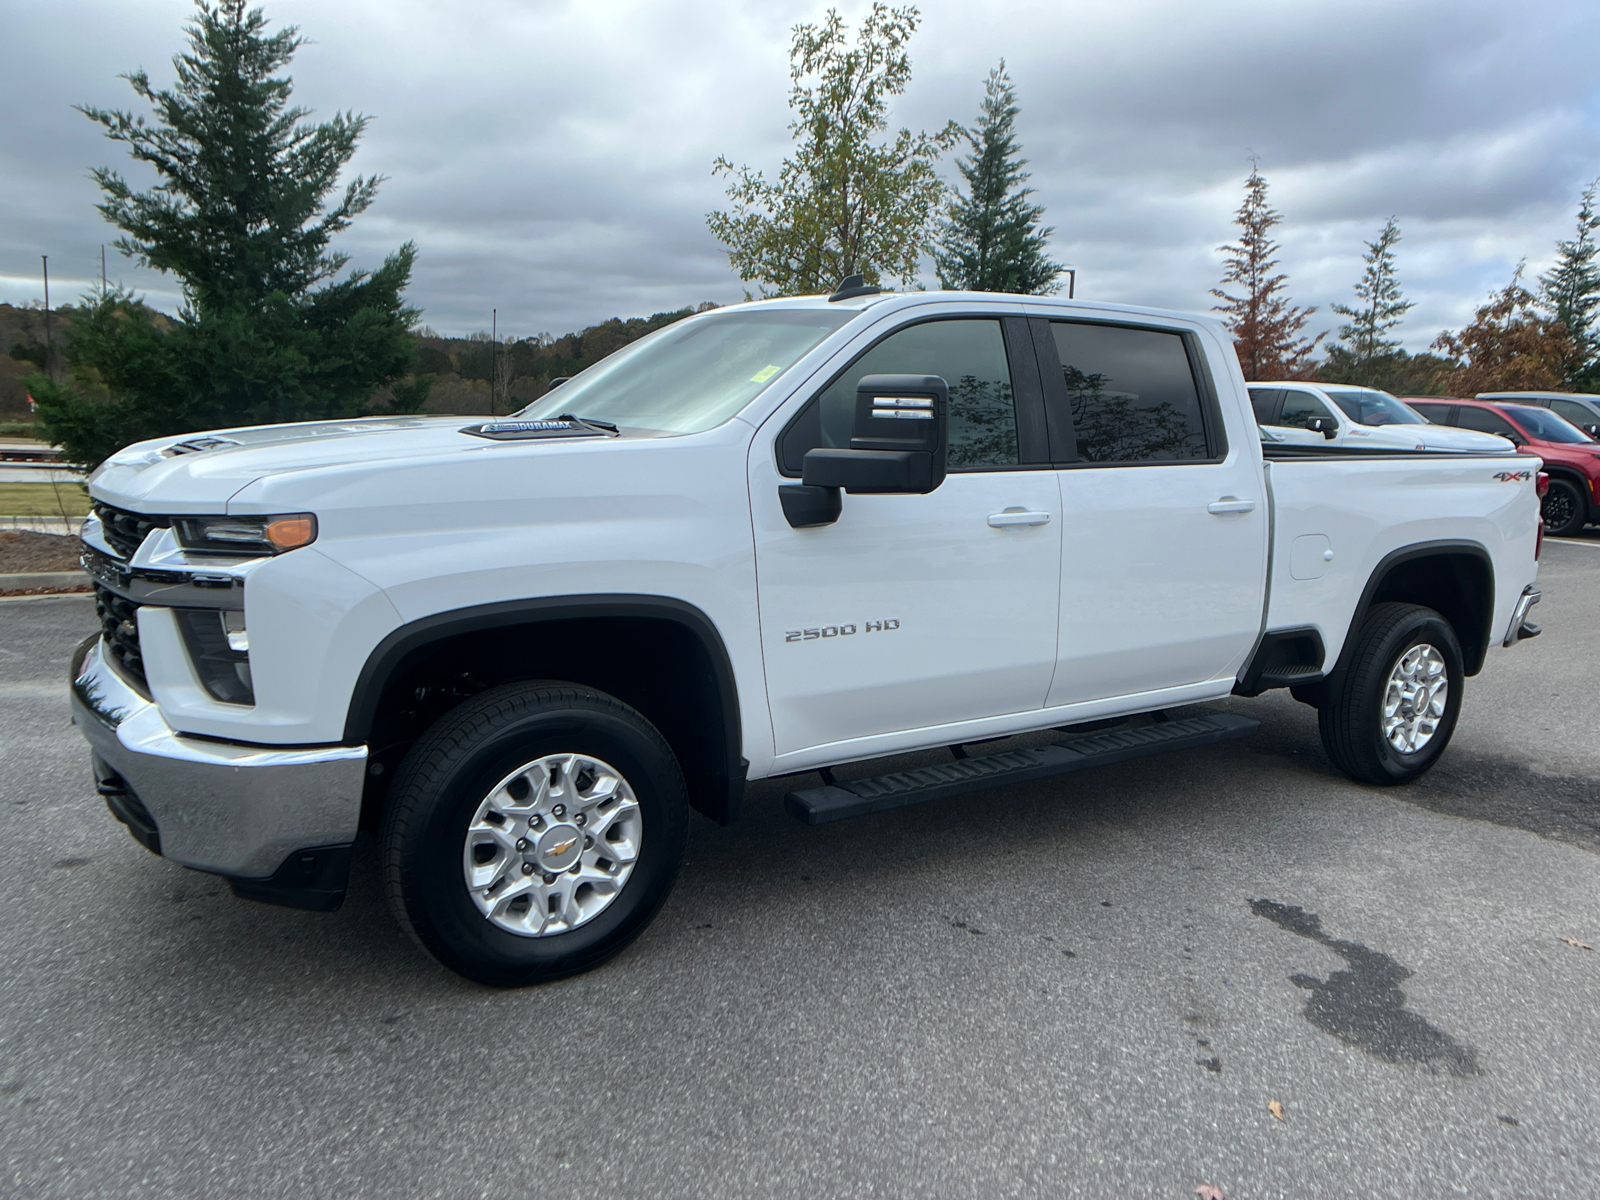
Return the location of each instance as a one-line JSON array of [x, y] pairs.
[[1229, 504], [1017, 516]]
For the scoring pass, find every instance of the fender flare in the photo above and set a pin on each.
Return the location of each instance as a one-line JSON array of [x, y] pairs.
[[404, 644], [1407, 554]]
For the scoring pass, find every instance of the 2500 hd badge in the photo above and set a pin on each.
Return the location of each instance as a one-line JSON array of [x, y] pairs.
[[828, 631]]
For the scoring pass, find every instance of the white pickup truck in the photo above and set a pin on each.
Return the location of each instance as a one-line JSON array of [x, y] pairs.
[[769, 540]]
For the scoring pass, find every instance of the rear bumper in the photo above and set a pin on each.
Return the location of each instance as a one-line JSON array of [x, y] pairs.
[[234, 810], [1520, 627]]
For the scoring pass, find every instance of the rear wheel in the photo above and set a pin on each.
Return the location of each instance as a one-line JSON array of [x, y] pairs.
[[533, 833], [1390, 713], [1563, 508]]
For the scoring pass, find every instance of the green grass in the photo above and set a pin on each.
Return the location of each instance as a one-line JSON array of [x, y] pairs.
[[16, 429], [42, 500]]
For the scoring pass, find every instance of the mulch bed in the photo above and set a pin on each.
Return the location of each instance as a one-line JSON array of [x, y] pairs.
[[23, 551]]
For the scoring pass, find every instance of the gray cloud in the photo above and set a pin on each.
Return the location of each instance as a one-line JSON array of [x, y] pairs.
[[552, 160]]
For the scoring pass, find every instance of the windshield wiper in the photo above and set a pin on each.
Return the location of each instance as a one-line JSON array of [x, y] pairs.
[[589, 421]]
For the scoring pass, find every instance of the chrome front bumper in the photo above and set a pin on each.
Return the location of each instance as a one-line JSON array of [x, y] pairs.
[[222, 807]]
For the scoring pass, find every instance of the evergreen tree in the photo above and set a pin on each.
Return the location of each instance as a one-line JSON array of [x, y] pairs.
[[990, 240], [844, 204], [1365, 339], [1265, 326], [1510, 345], [241, 217], [1570, 292]]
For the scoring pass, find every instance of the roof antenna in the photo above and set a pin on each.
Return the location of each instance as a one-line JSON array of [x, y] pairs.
[[854, 285]]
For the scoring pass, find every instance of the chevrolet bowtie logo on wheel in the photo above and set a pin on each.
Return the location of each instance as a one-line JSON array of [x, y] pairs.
[[561, 848]]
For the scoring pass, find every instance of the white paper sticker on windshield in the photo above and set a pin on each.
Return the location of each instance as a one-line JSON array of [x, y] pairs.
[[764, 374]]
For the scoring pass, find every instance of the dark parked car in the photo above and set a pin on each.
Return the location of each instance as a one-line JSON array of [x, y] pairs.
[[1571, 456], [1581, 408]]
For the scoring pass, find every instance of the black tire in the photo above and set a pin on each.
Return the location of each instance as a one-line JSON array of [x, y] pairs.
[[1563, 508], [1351, 719], [451, 770]]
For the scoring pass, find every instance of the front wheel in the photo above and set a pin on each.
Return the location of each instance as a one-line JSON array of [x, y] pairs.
[[1563, 509], [1390, 712], [533, 833]]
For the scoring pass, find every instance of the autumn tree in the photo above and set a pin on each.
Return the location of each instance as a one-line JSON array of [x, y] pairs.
[[246, 203], [845, 203], [1570, 293], [991, 239], [1266, 328], [1510, 345]]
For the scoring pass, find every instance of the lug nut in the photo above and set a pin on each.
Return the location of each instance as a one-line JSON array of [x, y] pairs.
[[581, 819], [588, 843], [575, 868], [559, 810], [549, 879], [522, 843], [527, 868]]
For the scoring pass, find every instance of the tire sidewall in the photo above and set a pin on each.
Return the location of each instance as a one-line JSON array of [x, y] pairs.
[[435, 893], [1577, 521], [1433, 630]]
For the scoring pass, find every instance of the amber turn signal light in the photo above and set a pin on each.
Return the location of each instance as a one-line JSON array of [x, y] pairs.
[[287, 533]]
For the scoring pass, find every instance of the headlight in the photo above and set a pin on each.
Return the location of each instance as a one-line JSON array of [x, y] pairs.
[[246, 535]]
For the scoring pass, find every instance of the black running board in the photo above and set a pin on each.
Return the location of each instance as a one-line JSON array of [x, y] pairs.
[[834, 802]]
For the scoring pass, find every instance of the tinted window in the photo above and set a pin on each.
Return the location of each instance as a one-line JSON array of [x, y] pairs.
[[1264, 401], [1548, 426], [1132, 393], [1485, 421], [1300, 407], [1574, 412], [970, 356], [1439, 414]]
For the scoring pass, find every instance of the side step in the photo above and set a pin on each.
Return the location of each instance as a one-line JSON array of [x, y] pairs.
[[834, 802]]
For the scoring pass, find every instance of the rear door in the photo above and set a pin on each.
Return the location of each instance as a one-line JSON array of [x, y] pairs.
[[1164, 530], [914, 611]]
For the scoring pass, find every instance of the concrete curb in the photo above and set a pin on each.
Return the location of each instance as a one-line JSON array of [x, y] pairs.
[[47, 581]]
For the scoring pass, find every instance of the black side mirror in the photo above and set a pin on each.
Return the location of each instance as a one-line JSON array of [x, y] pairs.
[[1326, 426], [1592, 430], [898, 445]]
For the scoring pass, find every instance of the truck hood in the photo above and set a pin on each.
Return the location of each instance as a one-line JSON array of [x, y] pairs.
[[1429, 437], [199, 472]]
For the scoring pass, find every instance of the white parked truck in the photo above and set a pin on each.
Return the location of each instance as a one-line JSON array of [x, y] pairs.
[[768, 540]]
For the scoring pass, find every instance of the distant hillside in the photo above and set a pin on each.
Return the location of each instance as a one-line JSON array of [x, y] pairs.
[[473, 375]]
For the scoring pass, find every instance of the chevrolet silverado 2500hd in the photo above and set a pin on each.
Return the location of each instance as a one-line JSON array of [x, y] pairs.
[[767, 540]]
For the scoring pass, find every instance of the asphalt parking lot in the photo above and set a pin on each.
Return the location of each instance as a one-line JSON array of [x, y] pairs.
[[1088, 987]]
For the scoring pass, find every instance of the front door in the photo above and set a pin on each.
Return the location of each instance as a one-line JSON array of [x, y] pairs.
[[911, 612], [1164, 529]]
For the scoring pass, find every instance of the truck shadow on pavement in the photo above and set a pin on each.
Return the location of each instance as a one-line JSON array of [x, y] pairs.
[[1365, 1006]]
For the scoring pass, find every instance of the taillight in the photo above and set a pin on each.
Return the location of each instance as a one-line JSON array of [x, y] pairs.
[[1543, 486]]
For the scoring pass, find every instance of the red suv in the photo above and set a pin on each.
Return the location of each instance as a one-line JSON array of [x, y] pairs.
[[1571, 457]]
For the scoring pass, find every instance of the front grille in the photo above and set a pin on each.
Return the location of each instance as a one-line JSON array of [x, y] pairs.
[[126, 531], [119, 623]]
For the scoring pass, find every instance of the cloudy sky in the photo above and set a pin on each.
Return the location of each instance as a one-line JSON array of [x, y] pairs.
[[552, 160]]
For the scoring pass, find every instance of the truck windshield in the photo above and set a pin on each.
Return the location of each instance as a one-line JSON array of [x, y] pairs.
[[692, 375], [1367, 406], [1547, 426]]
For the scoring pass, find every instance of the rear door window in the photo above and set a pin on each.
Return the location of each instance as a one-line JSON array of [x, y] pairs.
[[1485, 421], [1265, 403], [1439, 414], [1131, 392], [1574, 412]]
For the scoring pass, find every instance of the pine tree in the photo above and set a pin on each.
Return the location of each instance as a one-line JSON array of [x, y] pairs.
[[241, 217], [843, 204], [1570, 292], [1265, 326], [990, 240]]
